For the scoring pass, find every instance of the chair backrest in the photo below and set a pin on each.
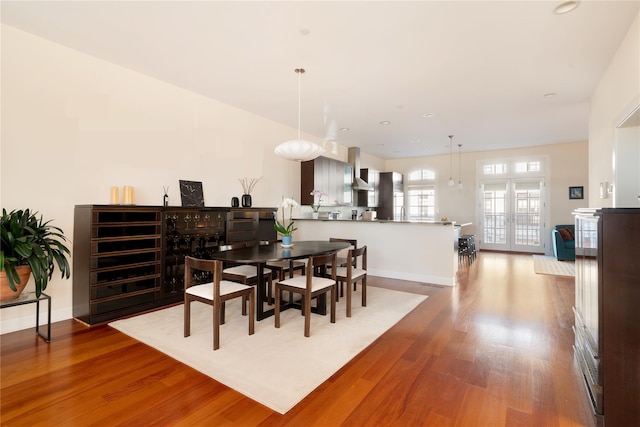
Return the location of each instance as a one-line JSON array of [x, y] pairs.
[[207, 265], [354, 254], [326, 263], [352, 242]]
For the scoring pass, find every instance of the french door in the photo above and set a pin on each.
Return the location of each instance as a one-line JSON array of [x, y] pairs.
[[511, 215]]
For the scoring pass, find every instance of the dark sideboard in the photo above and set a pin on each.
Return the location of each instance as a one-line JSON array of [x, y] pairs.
[[129, 259]]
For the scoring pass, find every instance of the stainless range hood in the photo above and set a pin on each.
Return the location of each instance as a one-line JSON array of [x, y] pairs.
[[353, 157]]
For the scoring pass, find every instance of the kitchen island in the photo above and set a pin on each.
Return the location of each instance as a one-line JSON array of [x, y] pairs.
[[421, 251]]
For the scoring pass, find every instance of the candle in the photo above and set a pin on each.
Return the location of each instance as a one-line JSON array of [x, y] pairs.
[[129, 198], [115, 195]]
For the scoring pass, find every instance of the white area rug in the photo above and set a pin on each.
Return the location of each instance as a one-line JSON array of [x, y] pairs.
[[276, 367], [550, 265]]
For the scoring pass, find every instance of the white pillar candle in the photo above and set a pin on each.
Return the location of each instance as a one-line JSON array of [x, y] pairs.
[[129, 198], [115, 195]]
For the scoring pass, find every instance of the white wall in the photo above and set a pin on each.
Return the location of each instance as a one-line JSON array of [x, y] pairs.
[[568, 164], [617, 92], [73, 126]]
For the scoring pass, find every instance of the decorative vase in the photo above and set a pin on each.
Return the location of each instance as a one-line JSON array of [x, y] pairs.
[[235, 202], [314, 215], [246, 200], [8, 294], [286, 241]]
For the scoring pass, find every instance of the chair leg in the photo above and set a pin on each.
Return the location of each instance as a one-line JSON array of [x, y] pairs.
[[348, 299], [252, 311], [277, 307], [334, 292], [364, 291], [307, 315], [217, 311], [187, 317], [223, 311]]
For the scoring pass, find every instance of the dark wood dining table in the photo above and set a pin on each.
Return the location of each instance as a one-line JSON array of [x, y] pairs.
[[259, 255]]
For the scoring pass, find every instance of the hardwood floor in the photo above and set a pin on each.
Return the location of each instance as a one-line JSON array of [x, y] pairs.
[[493, 350]]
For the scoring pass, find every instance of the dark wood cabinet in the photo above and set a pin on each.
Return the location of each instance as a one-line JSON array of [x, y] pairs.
[[331, 176], [369, 199], [128, 259], [607, 318], [391, 200], [620, 265], [117, 261]]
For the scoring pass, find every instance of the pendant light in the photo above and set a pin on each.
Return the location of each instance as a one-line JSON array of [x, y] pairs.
[[298, 149], [460, 166], [451, 181]]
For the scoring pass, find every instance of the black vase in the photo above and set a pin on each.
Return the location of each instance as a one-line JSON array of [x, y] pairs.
[[246, 200], [235, 202]]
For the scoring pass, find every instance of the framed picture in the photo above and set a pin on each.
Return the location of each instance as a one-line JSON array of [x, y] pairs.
[[576, 193], [191, 193]]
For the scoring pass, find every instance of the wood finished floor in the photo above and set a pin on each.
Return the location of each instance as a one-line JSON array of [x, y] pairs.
[[495, 350]]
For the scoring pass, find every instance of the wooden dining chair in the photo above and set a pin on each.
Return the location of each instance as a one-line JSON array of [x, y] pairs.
[[214, 293], [280, 269], [309, 286], [245, 273], [351, 274], [341, 257]]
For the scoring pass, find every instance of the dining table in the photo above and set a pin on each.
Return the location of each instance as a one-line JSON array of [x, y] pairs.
[[261, 254]]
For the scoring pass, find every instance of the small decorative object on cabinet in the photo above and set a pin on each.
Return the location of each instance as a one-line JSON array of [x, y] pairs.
[[247, 186], [191, 193], [33, 246]]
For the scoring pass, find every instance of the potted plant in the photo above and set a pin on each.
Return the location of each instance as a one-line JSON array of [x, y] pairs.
[[286, 227], [319, 194], [29, 246]]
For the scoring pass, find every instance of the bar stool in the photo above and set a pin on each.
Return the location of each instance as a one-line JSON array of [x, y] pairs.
[[467, 248]]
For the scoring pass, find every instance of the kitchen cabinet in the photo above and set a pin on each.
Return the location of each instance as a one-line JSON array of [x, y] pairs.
[[328, 175], [391, 196], [369, 199]]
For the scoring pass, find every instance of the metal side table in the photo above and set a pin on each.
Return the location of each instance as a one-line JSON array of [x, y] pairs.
[[30, 298]]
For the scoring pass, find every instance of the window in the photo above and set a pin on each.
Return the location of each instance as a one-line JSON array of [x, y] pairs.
[[522, 167], [421, 194], [421, 175], [495, 169], [422, 202]]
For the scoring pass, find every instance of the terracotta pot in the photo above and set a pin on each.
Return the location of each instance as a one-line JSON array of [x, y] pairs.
[[8, 294]]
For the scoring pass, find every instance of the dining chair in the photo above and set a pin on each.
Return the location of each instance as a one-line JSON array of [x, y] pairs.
[[214, 293], [245, 273], [350, 274], [281, 268], [309, 286], [341, 259]]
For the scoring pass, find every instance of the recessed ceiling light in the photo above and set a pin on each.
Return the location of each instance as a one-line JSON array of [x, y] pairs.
[[385, 122], [566, 7], [427, 115], [549, 95], [344, 129]]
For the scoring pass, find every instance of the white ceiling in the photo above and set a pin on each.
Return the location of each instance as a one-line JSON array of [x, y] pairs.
[[480, 67]]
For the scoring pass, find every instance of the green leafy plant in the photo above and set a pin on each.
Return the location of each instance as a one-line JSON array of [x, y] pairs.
[[28, 240], [286, 227]]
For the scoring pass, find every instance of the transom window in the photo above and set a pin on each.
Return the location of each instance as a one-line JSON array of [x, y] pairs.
[[421, 175]]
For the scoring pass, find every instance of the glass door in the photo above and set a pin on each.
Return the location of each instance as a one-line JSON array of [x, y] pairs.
[[511, 215]]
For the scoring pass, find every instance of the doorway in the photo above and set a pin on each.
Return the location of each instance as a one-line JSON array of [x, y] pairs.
[[512, 215]]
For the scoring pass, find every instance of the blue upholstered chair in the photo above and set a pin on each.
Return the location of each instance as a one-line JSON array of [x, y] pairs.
[[564, 243]]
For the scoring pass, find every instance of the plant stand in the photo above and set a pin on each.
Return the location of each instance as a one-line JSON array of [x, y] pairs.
[[30, 298]]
